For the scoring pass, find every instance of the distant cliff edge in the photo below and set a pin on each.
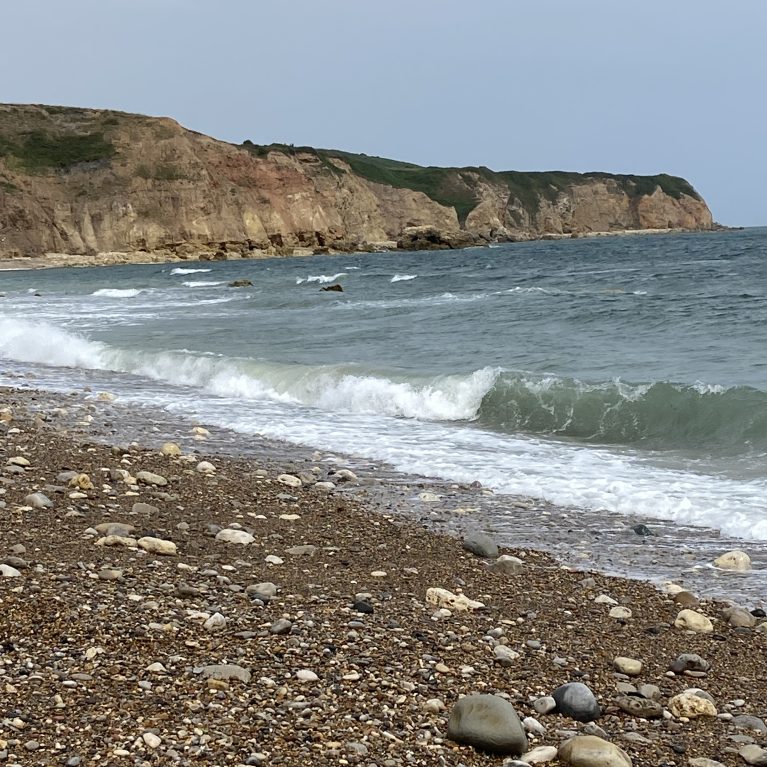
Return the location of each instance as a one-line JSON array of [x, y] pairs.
[[89, 182]]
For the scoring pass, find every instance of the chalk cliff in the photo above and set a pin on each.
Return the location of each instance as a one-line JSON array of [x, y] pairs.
[[97, 182]]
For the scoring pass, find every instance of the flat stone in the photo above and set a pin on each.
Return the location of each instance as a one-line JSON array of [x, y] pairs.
[[225, 672], [620, 613], [702, 761], [157, 546], [267, 588], [121, 529], [290, 480], [507, 565], [306, 550], [577, 701], [456, 602], [540, 755], [691, 620], [488, 723], [641, 707], [505, 655], [281, 626], [240, 537], [754, 755], [38, 501], [628, 666], [144, 509], [591, 751], [481, 545], [117, 540], [689, 662], [746, 722], [150, 478], [306, 675], [6, 571]]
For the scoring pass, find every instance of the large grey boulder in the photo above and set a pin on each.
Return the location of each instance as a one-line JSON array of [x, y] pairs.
[[488, 723], [577, 701], [481, 545]]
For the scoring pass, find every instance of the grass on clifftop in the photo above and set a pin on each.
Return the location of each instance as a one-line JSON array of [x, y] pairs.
[[39, 151], [457, 187]]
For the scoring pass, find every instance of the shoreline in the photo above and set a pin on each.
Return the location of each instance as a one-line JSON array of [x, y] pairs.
[[123, 258], [112, 613]]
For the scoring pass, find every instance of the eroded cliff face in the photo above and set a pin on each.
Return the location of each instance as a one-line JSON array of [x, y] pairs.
[[93, 181]]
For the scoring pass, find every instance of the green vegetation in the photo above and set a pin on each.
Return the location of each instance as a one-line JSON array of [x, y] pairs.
[[37, 151], [163, 172], [456, 187]]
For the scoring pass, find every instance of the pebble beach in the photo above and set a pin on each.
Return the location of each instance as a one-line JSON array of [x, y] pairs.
[[170, 607]]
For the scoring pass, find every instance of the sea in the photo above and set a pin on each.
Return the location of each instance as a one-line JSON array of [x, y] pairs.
[[593, 385]]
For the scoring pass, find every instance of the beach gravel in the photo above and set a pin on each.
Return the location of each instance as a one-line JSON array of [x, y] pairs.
[[225, 654]]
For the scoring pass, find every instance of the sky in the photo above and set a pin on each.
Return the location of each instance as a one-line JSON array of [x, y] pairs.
[[673, 86]]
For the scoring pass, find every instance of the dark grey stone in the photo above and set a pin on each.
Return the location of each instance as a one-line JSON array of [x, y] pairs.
[[576, 700], [488, 723], [480, 545]]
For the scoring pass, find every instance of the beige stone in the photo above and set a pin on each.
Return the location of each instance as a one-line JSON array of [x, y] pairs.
[[733, 560], [629, 666], [591, 751], [157, 546], [691, 620], [456, 602], [691, 705]]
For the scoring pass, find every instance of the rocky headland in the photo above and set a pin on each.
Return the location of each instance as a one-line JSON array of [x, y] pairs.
[[165, 605], [88, 186]]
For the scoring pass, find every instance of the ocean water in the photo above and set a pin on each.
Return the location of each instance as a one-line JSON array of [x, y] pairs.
[[624, 374]]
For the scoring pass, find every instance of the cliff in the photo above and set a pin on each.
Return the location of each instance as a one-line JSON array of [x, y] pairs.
[[86, 182]]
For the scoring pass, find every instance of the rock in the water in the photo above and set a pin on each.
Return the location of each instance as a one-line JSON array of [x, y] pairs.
[[235, 536], [591, 751], [157, 546], [733, 560], [691, 620], [224, 671], [691, 705], [507, 564], [628, 666], [38, 501], [488, 723], [334, 288], [480, 545], [240, 284], [150, 478], [576, 700]]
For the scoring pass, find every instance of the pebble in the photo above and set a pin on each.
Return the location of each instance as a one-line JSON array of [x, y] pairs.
[[150, 478], [224, 671], [577, 701], [38, 501], [281, 626], [488, 723], [205, 467], [544, 705], [628, 666], [754, 755], [170, 449], [620, 613], [216, 622], [481, 545], [507, 565], [306, 675], [691, 620], [691, 705], [591, 751], [739, 617], [157, 546], [540, 755], [240, 537], [289, 480], [689, 662], [446, 599], [505, 655], [9, 572], [272, 559], [152, 741]]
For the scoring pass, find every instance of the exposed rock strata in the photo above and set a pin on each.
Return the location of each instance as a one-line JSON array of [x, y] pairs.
[[85, 182]]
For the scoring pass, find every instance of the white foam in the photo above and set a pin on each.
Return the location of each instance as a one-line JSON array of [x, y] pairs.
[[320, 278], [184, 270], [117, 292], [403, 277], [201, 283]]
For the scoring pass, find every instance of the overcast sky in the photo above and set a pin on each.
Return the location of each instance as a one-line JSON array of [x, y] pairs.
[[676, 86]]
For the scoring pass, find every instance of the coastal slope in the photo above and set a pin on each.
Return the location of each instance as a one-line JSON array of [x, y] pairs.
[[87, 181]]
